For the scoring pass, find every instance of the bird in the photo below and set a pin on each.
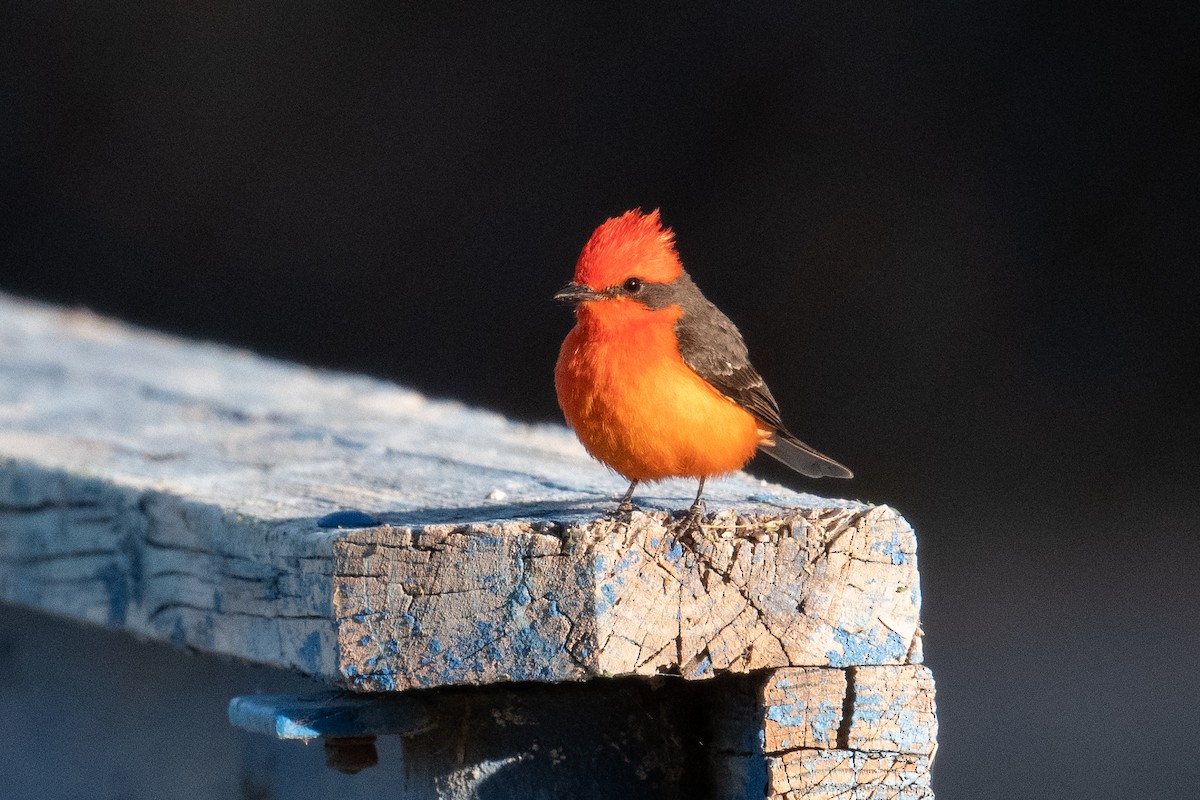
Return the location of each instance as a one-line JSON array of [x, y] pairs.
[[654, 379]]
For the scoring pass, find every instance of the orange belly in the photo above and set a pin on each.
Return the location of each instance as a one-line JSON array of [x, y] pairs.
[[636, 406]]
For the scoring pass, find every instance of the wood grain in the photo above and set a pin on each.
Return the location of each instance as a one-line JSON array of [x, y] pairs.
[[528, 601]]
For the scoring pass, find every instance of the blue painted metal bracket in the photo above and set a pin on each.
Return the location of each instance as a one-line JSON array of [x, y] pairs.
[[329, 714]]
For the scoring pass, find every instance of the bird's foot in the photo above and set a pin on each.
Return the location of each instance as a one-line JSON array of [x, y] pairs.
[[623, 512], [692, 521]]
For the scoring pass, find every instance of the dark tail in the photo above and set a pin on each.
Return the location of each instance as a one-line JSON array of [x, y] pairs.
[[802, 458]]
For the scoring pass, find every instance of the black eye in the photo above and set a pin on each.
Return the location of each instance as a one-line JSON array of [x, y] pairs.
[[633, 285]]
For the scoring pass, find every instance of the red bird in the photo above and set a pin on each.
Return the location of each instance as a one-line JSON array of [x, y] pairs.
[[653, 378]]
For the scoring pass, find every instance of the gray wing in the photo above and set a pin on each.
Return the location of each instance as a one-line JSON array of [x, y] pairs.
[[712, 345]]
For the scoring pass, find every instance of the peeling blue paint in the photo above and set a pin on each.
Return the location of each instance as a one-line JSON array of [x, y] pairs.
[[535, 652], [861, 649], [856, 649], [630, 560], [609, 598], [787, 714], [912, 734], [893, 548], [820, 721], [413, 623], [868, 707], [384, 679], [310, 652], [521, 595], [825, 719]]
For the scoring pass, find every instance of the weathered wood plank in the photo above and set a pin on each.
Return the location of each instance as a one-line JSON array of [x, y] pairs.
[[175, 490], [803, 708], [877, 709], [863, 732], [893, 710], [528, 601]]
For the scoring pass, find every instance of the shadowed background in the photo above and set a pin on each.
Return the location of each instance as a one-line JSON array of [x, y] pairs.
[[961, 243]]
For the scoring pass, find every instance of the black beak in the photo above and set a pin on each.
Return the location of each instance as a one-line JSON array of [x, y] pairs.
[[577, 293]]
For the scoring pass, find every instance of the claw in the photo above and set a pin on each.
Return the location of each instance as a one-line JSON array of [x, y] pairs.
[[691, 521], [622, 513]]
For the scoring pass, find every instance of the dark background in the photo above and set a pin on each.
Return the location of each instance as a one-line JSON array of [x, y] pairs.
[[961, 243]]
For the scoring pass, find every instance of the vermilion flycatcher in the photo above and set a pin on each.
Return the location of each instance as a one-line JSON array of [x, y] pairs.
[[654, 379]]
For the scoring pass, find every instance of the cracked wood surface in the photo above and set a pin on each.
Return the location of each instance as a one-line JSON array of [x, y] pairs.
[[532, 601], [174, 490], [877, 709], [867, 732]]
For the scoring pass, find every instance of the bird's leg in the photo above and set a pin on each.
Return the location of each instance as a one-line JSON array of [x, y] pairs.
[[696, 512], [626, 507]]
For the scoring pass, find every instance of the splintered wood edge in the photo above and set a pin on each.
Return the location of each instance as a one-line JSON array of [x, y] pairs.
[[520, 601]]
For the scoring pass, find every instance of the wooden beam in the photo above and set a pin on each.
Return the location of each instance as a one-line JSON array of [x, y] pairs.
[[529, 601], [831, 733]]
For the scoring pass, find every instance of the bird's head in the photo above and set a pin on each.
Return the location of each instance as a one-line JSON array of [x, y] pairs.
[[627, 258]]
